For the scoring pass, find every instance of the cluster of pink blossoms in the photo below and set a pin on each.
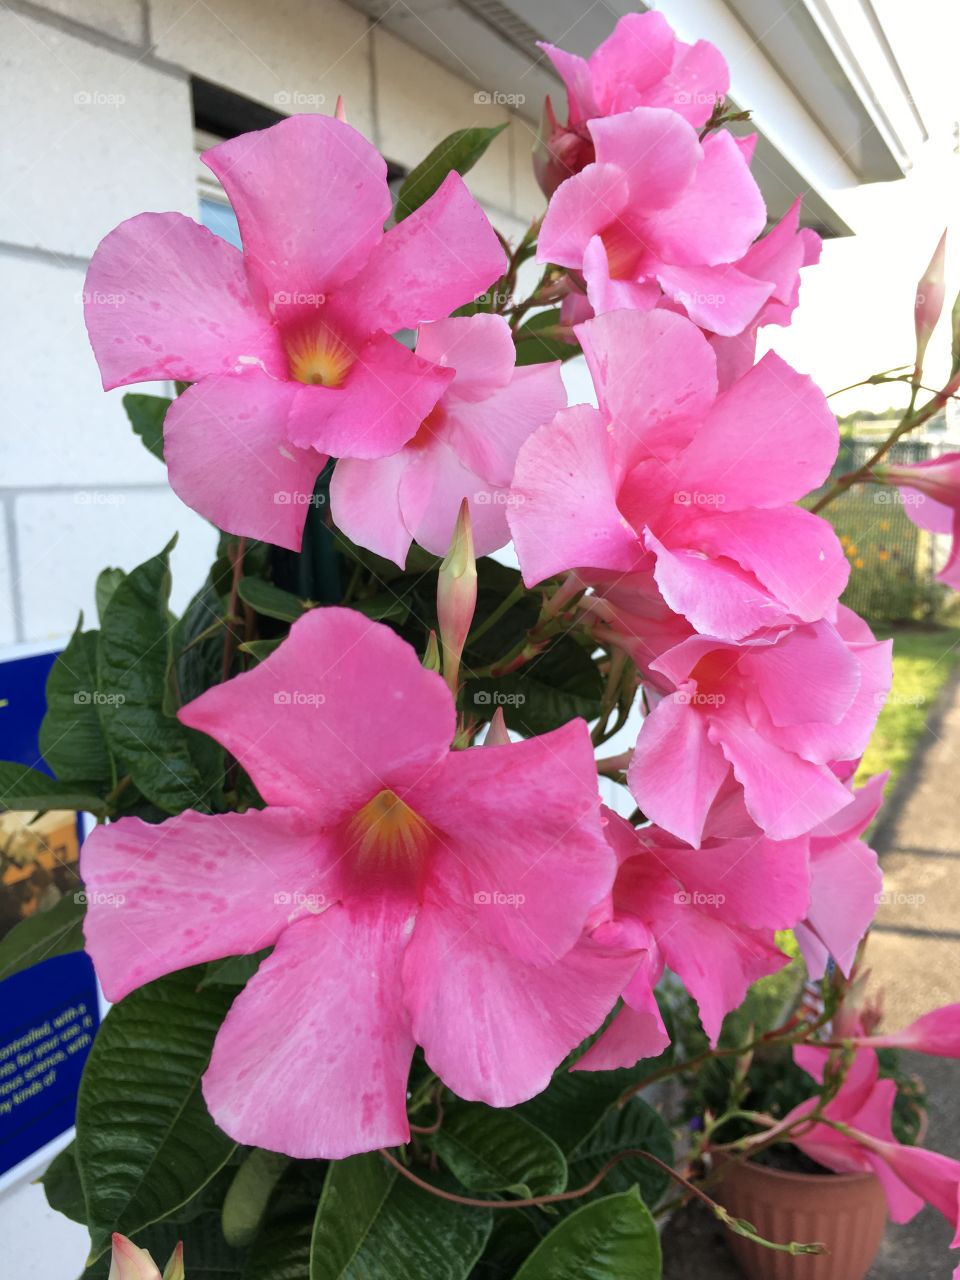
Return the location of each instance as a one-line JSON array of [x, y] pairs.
[[480, 902]]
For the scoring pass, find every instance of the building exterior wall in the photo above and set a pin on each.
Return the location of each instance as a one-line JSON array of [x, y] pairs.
[[97, 127]]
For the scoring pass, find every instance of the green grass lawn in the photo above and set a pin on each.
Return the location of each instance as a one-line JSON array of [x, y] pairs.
[[922, 660]]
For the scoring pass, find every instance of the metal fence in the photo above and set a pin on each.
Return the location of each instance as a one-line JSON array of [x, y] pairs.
[[892, 562]]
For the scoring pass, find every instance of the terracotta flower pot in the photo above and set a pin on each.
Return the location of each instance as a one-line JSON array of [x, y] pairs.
[[845, 1211]]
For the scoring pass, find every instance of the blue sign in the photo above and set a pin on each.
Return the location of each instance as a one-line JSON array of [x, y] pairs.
[[48, 1018]]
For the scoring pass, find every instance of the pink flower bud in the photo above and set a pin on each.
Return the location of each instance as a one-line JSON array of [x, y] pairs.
[[497, 735], [559, 152], [127, 1262], [457, 596], [929, 302]]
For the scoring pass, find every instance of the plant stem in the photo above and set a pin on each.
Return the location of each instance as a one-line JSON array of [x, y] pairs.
[[505, 605]]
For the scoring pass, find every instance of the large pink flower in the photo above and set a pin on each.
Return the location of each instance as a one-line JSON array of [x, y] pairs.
[[864, 1106], [641, 64], [931, 498], [642, 221], [288, 344], [466, 448], [669, 475], [710, 914], [411, 894]]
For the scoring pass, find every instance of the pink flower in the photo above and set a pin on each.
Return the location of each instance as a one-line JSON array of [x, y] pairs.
[[931, 498], [412, 895], [864, 1106], [670, 476], [288, 344], [936, 1033], [776, 710], [642, 221], [642, 64], [701, 913], [845, 883], [465, 448]]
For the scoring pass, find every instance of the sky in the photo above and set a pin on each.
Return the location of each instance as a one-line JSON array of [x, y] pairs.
[[856, 308]]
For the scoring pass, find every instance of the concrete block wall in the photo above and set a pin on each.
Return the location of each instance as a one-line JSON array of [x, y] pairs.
[[96, 104]]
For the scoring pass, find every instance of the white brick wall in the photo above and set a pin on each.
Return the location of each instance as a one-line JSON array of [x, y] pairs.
[[97, 126]]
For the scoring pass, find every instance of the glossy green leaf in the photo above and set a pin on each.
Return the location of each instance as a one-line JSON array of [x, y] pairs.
[[281, 1250], [373, 1224], [62, 1185], [490, 1149], [535, 343], [146, 414], [24, 788], [635, 1125], [145, 1142], [235, 971], [72, 739], [54, 932], [614, 1238], [458, 152], [246, 1201], [133, 662], [559, 685], [107, 582], [271, 601], [261, 649]]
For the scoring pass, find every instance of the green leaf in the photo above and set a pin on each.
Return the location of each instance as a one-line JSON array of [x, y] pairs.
[[271, 601], [611, 1239], [635, 1125], [560, 684], [536, 347], [54, 932], [145, 1141], [459, 151], [488, 1149], [261, 649], [146, 414], [235, 971], [107, 582], [25, 788], [62, 1185], [72, 739], [373, 1224], [133, 662], [383, 607], [246, 1201], [281, 1250]]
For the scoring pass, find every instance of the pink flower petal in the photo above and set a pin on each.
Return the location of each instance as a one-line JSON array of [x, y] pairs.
[[631, 1036], [845, 882], [313, 1058], [439, 258], [166, 298], [478, 348], [383, 400], [676, 770], [576, 75], [637, 55], [196, 887], [689, 232], [493, 1027], [533, 871], [698, 80], [228, 457], [341, 710], [604, 293], [432, 488], [721, 299], [656, 149], [579, 209], [365, 504], [655, 403], [311, 198], [565, 513]]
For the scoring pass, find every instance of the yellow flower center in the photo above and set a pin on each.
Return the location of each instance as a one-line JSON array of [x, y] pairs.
[[318, 356], [388, 831]]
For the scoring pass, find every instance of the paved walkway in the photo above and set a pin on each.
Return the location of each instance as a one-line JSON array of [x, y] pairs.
[[914, 957]]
